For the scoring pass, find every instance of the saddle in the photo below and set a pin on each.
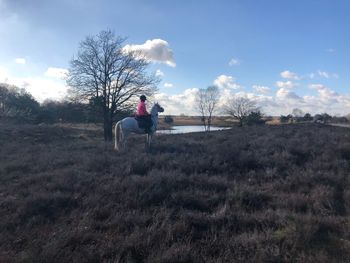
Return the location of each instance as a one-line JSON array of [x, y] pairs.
[[144, 122]]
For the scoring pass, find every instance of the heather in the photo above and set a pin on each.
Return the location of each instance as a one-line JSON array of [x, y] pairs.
[[250, 194]]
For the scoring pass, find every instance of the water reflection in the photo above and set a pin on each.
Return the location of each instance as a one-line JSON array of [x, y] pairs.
[[189, 128]]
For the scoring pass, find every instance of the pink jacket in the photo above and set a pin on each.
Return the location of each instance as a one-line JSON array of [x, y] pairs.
[[141, 109]]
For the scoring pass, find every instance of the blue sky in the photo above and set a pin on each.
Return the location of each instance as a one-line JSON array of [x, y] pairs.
[[284, 54]]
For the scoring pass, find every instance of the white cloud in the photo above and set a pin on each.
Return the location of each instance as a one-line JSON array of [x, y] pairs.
[[323, 74], [159, 73], [42, 88], [59, 73], [20, 61], [226, 82], [233, 62], [285, 84], [284, 93], [289, 75], [261, 89], [155, 50], [325, 94], [327, 75], [330, 50], [184, 102], [168, 85], [327, 100]]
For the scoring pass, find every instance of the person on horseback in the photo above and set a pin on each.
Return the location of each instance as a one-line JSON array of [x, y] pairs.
[[141, 107], [142, 115]]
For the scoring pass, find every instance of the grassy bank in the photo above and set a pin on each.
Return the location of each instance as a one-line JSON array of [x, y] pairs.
[[257, 194]]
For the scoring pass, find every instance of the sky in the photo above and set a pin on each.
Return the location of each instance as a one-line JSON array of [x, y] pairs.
[[283, 54]]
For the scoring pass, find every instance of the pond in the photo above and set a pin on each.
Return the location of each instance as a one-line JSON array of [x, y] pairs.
[[189, 128]]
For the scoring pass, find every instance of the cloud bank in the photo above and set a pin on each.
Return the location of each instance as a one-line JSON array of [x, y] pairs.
[[280, 102]]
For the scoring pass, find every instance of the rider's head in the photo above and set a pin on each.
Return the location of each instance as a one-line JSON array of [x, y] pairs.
[[142, 97]]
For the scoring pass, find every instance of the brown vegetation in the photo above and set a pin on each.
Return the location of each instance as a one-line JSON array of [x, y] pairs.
[[257, 194]]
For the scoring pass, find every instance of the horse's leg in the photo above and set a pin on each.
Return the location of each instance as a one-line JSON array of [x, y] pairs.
[[119, 136], [125, 138], [148, 141], [116, 137]]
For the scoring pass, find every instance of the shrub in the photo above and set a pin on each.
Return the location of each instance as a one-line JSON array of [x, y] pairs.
[[168, 119], [285, 119], [254, 118], [307, 117]]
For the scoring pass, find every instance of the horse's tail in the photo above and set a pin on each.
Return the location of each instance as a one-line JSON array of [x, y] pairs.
[[117, 135]]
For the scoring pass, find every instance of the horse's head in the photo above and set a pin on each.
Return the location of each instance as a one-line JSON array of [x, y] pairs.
[[158, 107]]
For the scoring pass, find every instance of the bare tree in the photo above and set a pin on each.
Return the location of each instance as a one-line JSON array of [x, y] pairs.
[[105, 73], [239, 108], [297, 113], [206, 102]]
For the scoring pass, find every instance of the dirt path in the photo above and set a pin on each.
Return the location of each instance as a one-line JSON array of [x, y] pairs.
[[340, 125]]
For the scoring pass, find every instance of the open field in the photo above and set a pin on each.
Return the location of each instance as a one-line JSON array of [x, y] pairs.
[[256, 194]]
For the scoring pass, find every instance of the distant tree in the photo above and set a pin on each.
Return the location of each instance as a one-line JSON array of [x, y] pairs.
[[66, 111], [318, 118], [336, 119], [254, 118], [239, 108], [206, 102], [322, 118], [284, 119], [326, 117], [307, 117], [168, 119], [104, 72], [16, 102]]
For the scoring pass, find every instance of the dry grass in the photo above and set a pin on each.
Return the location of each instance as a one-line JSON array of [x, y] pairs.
[[257, 194]]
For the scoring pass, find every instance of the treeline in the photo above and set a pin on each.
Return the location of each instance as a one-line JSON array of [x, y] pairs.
[[18, 105], [318, 118]]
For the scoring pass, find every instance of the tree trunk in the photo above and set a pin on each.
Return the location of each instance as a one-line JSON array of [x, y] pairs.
[[209, 124], [204, 122], [107, 127]]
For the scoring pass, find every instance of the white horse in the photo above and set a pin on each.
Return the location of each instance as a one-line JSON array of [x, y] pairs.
[[128, 125]]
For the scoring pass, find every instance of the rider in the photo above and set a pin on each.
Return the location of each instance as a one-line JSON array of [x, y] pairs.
[[141, 107], [142, 115]]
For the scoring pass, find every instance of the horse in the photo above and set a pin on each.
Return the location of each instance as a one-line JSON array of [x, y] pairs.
[[129, 125]]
